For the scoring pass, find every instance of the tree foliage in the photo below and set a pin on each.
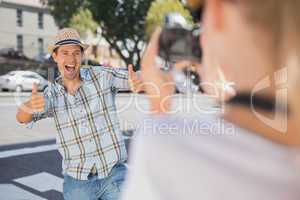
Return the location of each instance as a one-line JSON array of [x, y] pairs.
[[122, 22], [63, 10], [83, 22], [158, 11]]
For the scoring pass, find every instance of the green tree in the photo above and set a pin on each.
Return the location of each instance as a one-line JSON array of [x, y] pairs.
[[123, 25], [122, 22], [158, 11], [83, 22], [63, 10]]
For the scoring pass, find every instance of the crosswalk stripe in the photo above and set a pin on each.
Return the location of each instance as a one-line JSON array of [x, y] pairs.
[[25, 151]]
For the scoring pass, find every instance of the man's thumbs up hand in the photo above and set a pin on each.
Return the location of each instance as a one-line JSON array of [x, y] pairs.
[[34, 88], [136, 84], [37, 101]]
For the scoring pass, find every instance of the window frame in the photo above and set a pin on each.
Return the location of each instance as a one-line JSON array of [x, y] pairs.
[[40, 20], [19, 16], [20, 43]]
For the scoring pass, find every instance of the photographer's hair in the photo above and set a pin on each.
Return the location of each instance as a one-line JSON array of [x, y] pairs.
[[280, 19], [275, 17]]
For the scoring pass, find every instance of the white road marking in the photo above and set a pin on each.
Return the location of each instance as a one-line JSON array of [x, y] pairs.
[[24, 151], [42, 182], [12, 192]]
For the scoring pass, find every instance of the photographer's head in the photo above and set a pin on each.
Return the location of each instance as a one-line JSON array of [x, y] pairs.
[[243, 37], [252, 41]]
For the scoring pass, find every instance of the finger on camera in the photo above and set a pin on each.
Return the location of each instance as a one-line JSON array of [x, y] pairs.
[[151, 50]]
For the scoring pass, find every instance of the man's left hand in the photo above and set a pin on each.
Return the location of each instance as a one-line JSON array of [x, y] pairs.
[[135, 82]]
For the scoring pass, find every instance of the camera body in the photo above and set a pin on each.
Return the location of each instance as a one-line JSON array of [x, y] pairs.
[[178, 40]]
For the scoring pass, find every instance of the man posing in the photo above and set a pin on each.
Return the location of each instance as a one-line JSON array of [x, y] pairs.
[[82, 103]]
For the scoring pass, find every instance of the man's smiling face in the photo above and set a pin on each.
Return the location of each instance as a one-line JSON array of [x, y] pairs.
[[68, 59]]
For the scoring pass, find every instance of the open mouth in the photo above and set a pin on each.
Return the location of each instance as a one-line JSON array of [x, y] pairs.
[[70, 68]]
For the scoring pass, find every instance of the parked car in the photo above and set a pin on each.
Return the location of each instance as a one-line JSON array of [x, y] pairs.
[[22, 81]]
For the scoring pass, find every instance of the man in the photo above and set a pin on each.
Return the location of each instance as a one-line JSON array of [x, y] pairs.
[[82, 103]]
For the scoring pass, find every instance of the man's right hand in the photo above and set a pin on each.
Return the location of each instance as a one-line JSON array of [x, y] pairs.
[[37, 101]]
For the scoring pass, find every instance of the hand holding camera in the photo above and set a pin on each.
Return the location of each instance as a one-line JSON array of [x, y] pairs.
[[179, 41]]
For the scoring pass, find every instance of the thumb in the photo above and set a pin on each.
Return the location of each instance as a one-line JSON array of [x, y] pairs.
[[130, 71], [34, 88]]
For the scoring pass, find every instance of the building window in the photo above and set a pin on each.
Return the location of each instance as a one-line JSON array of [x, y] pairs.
[[41, 47], [40, 20], [20, 43], [19, 18]]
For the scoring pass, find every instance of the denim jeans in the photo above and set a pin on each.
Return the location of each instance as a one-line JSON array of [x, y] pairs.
[[95, 189]]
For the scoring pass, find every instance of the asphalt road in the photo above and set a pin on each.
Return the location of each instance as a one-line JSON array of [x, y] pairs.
[[30, 176], [31, 171]]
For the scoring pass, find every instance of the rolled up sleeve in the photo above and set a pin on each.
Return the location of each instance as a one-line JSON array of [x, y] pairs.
[[120, 79]]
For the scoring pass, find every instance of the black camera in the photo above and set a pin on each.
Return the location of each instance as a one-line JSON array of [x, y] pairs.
[[179, 40]]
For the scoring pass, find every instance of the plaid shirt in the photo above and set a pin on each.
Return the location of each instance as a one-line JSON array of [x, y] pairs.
[[88, 128]]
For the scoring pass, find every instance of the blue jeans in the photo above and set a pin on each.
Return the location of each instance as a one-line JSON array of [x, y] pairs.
[[95, 189]]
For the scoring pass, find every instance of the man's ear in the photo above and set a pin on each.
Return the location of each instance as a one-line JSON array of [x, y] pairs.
[[215, 11], [54, 56]]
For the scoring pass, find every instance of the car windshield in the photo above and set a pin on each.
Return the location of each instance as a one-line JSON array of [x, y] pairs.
[[11, 73], [29, 76]]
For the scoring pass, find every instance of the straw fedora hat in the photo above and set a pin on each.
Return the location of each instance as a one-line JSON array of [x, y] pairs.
[[66, 36]]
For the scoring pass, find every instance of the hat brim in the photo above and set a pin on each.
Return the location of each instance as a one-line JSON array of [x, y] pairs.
[[51, 48]]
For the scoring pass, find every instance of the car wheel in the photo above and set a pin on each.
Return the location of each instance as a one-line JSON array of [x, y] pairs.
[[19, 88]]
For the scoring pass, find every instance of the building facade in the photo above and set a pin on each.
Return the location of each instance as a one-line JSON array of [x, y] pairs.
[[26, 26]]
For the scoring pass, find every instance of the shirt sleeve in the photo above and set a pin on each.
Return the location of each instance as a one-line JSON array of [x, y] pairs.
[[120, 79], [116, 78]]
